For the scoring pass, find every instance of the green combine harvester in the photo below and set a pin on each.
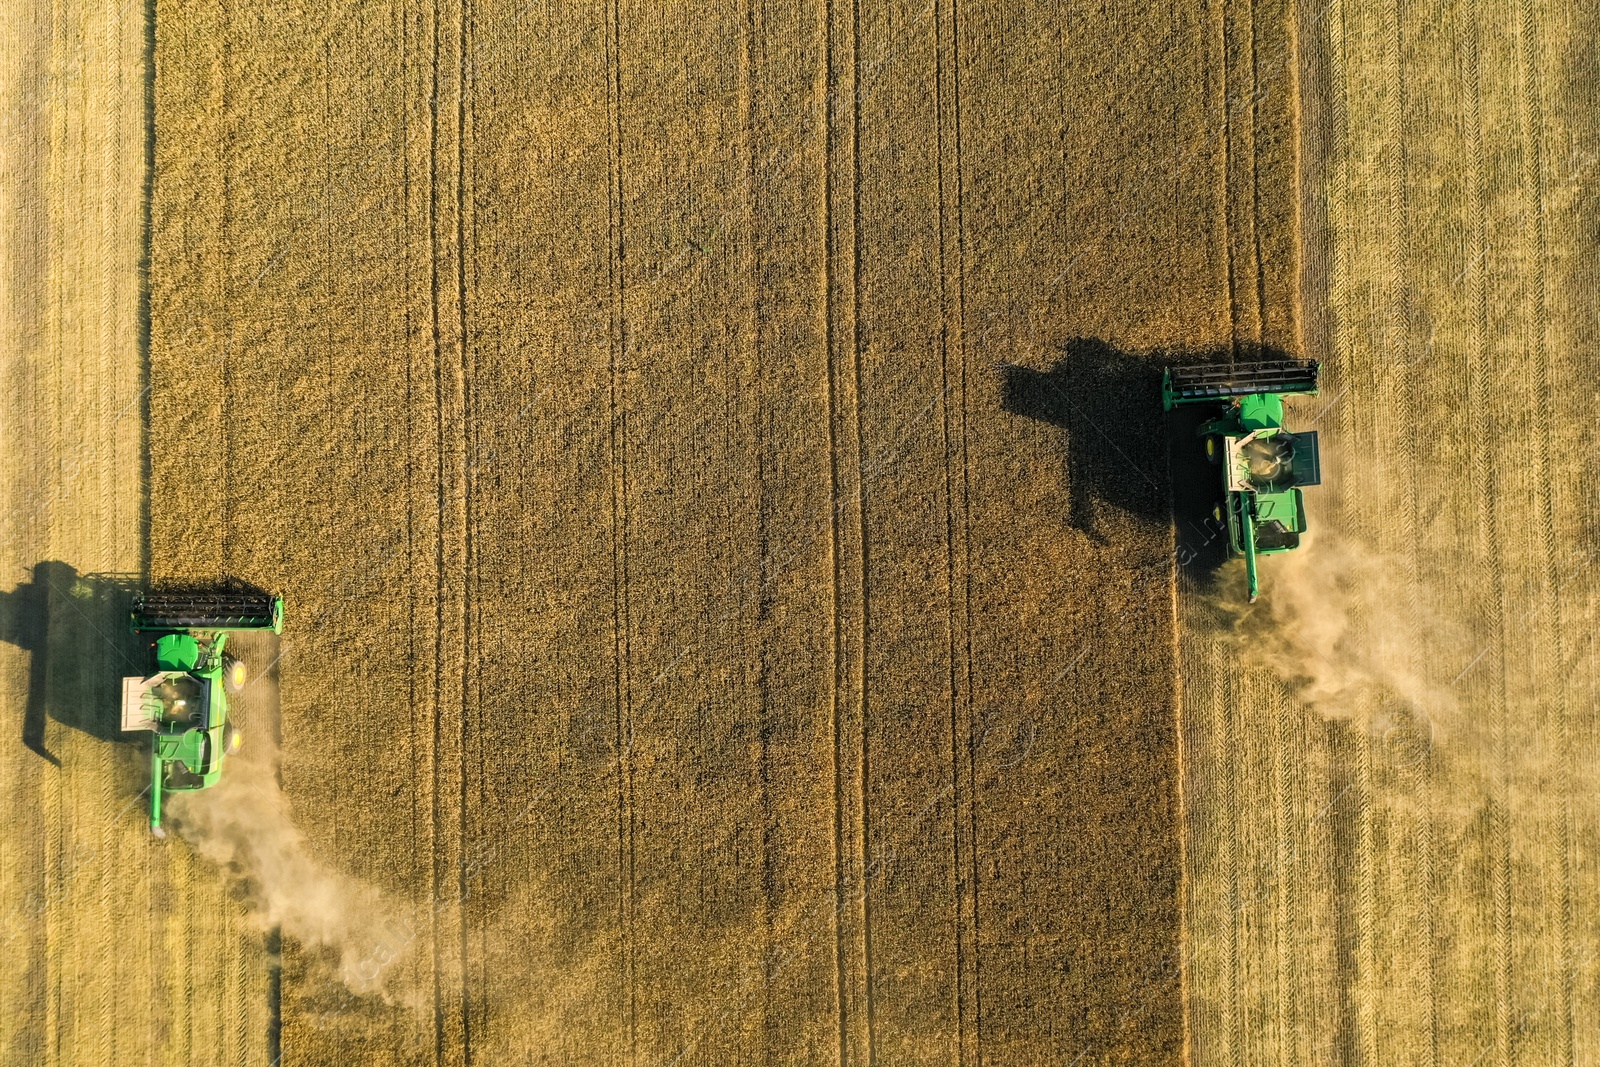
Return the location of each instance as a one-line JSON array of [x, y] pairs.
[[1264, 466], [185, 702]]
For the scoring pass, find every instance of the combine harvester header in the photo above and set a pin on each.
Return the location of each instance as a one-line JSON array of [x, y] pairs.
[[1264, 466], [185, 702]]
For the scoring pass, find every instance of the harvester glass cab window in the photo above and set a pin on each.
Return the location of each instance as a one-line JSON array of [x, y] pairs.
[[182, 698]]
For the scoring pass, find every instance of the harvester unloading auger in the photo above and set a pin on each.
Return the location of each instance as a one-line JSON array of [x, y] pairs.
[[1263, 465], [185, 702]]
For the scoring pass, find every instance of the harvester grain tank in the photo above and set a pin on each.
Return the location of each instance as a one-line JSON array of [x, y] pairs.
[[184, 703], [1264, 466]]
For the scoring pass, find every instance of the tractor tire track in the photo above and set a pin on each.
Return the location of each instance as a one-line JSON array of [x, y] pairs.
[[1258, 266], [424, 490], [839, 328], [1532, 126], [434, 715], [1224, 63], [453, 545], [848, 548], [470, 623], [440, 569], [863, 573], [621, 622], [974, 1052], [1481, 396], [957, 493]]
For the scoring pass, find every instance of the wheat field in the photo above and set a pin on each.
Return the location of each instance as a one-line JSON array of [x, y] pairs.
[[736, 608]]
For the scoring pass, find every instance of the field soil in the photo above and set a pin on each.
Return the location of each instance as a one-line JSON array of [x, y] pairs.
[[1390, 761], [712, 459]]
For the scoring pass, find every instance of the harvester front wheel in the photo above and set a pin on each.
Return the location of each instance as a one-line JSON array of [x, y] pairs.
[[1213, 451], [234, 675]]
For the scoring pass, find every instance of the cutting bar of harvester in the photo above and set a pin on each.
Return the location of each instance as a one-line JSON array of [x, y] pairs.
[[208, 611], [1193, 385]]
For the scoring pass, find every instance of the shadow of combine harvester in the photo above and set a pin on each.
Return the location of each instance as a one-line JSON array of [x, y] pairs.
[[1109, 403], [75, 628]]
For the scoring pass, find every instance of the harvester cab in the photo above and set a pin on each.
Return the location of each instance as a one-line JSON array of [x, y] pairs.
[[184, 701], [1264, 465]]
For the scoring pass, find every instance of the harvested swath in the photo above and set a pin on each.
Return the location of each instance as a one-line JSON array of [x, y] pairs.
[[1382, 828]]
